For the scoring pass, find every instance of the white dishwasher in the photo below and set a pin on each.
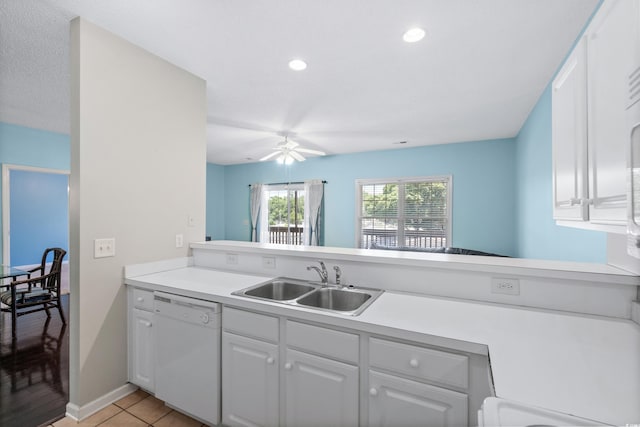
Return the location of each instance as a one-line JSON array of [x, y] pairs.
[[187, 344]]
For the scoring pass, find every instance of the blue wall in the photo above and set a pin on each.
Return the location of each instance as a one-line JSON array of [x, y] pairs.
[[537, 234], [483, 189], [39, 214], [215, 217], [31, 147]]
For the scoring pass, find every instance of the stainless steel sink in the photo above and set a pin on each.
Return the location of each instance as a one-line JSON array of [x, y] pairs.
[[278, 290], [344, 300], [335, 299]]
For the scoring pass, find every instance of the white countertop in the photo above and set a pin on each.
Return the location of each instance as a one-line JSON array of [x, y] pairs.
[[577, 364]]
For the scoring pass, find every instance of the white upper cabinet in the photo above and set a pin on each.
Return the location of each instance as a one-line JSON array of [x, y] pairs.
[[590, 136], [569, 133], [610, 51]]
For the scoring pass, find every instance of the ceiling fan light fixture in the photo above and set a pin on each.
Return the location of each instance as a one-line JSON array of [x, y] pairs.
[[285, 159], [297, 64], [413, 35]]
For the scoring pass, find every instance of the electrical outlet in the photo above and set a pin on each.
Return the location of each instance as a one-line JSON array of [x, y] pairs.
[[179, 240], [501, 285], [232, 259], [103, 248], [268, 262]]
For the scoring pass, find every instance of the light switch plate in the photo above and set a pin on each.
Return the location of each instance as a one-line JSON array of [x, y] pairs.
[[103, 248]]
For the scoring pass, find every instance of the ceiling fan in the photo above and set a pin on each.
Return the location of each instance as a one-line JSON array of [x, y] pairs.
[[289, 151]]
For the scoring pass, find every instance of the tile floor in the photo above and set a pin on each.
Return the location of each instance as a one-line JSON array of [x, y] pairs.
[[139, 409]]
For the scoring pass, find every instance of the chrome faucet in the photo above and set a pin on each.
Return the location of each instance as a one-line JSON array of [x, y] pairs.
[[322, 271], [338, 274]]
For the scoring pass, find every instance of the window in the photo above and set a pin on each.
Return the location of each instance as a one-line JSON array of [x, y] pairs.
[[412, 212], [284, 214]]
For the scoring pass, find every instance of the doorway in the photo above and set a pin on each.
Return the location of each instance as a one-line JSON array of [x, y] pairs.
[[35, 215]]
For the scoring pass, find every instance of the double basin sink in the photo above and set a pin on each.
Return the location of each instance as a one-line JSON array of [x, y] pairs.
[[345, 300]]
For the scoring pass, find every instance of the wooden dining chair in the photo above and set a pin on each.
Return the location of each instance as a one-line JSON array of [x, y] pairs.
[[36, 293]]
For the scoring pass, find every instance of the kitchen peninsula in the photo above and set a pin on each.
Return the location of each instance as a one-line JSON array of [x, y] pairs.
[[566, 342]]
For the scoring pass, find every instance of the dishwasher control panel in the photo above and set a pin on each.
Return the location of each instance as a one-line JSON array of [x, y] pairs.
[[190, 310]]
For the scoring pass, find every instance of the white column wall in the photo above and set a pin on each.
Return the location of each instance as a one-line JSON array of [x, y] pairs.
[[138, 172]]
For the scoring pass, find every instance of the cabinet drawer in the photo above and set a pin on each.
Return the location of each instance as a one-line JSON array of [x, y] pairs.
[[322, 341], [431, 365], [250, 324], [143, 299]]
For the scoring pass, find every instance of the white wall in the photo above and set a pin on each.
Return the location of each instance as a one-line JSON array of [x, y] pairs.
[[138, 171]]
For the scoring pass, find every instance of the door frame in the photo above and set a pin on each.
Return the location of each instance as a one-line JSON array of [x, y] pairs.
[[6, 200]]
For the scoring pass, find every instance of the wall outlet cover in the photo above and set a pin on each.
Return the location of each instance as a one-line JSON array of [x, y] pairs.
[[268, 262], [502, 285], [232, 259]]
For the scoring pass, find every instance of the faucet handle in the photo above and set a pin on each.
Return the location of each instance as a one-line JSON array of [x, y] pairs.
[[338, 274]]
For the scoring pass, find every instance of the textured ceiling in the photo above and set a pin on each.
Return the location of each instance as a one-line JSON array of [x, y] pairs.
[[477, 74]]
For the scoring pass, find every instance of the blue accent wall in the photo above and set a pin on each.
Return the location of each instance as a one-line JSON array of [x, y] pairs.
[[39, 214], [537, 234], [215, 215], [20, 145], [483, 189]]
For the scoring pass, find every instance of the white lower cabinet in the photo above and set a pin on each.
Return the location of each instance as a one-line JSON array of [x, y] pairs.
[[396, 402], [249, 381], [141, 339], [278, 371], [320, 391]]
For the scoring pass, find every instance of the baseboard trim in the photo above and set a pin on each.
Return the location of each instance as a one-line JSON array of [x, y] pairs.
[[79, 413]]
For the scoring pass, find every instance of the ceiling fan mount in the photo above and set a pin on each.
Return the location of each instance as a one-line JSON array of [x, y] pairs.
[[290, 151]]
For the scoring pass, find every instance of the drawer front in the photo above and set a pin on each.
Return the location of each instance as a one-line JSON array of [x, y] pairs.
[[427, 364], [143, 299], [250, 324], [323, 341]]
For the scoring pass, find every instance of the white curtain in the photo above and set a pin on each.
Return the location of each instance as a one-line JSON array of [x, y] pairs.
[[314, 192], [255, 202]]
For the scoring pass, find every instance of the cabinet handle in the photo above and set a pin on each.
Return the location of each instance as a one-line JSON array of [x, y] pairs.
[[270, 360], [288, 366], [414, 363], [145, 323], [574, 202], [139, 299], [373, 391]]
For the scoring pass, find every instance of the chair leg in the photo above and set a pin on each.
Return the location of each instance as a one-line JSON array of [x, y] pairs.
[[59, 304], [14, 319]]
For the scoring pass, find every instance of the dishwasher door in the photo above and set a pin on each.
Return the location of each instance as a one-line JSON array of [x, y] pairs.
[[187, 345]]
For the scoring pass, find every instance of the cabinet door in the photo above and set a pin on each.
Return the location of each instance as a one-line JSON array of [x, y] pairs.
[[249, 382], [142, 362], [611, 39], [569, 136], [320, 391], [396, 402]]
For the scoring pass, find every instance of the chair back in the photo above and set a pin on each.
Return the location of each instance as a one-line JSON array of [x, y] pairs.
[[52, 278]]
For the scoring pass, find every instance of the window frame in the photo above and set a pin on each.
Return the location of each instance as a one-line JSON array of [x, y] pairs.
[[265, 231], [359, 183]]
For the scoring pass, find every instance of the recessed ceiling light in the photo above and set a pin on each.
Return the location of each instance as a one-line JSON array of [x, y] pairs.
[[413, 35], [297, 64], [399, 142]]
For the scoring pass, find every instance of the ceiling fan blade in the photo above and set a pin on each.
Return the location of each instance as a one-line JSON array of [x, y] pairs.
[[268, 156], [309, 151], [299, 157]]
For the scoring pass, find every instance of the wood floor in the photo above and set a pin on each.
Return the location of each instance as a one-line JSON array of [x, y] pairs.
[[34, 370]]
